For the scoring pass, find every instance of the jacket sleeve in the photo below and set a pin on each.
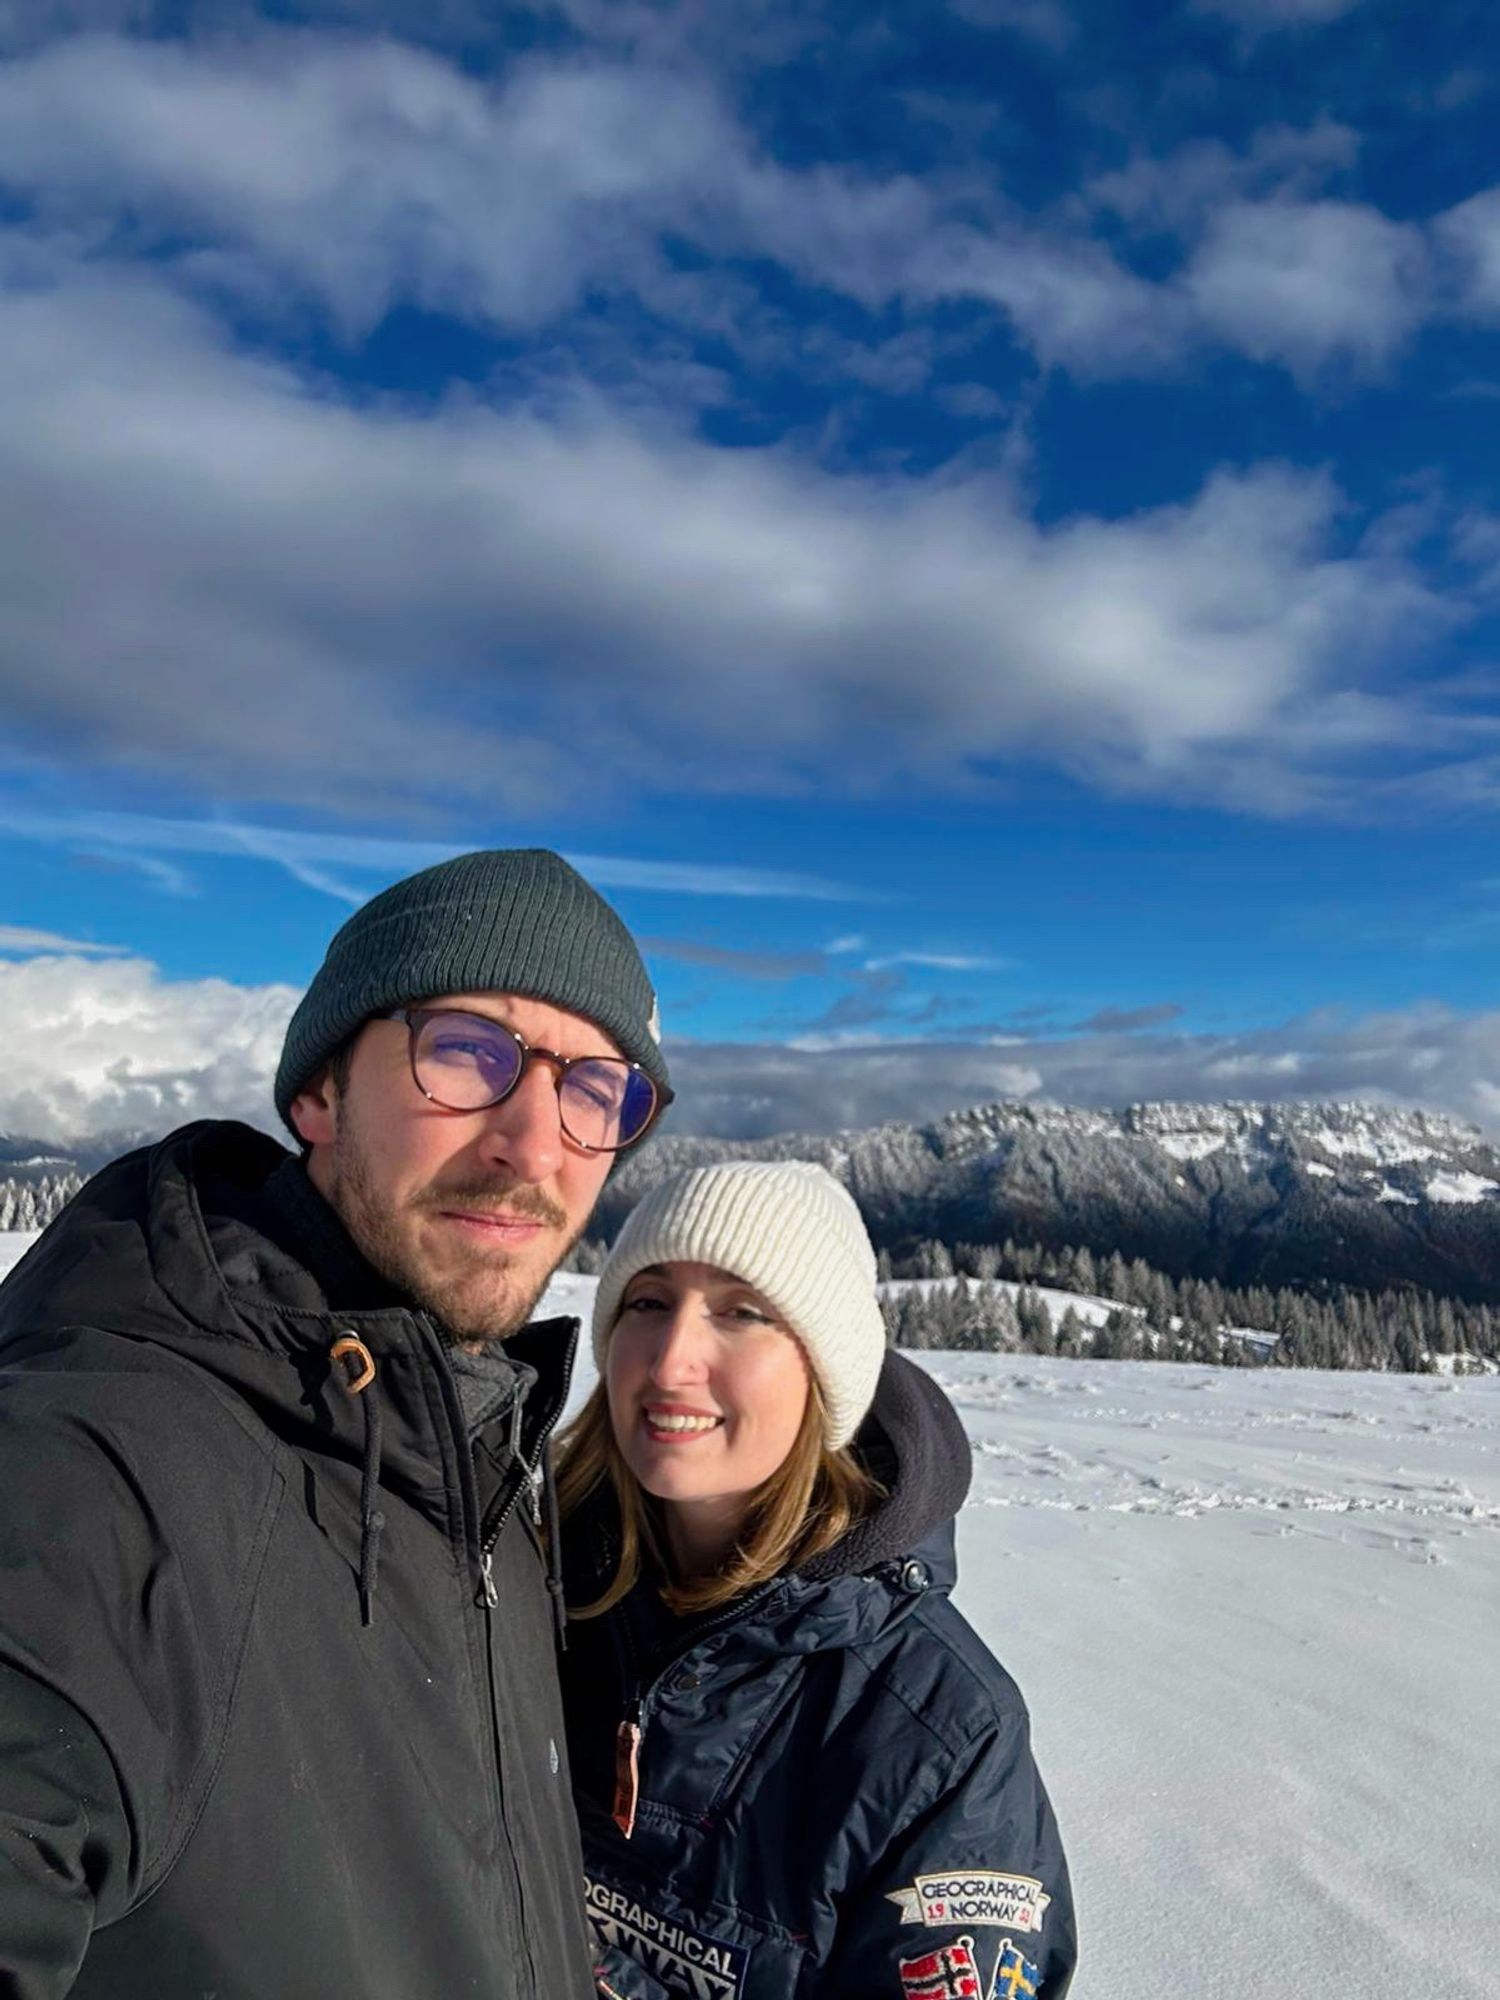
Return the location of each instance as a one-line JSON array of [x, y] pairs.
[[125, 1587], [978, 1886], [64, 1837]]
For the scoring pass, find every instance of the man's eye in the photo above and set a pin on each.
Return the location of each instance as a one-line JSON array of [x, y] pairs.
[[602, 1089]]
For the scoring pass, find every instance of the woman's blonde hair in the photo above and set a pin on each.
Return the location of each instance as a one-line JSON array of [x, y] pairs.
[[812, 1500]]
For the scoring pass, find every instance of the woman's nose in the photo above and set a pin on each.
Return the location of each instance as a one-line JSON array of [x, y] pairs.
[[680, 1349]]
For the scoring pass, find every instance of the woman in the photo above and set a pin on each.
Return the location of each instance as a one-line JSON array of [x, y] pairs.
[[799, 1771]]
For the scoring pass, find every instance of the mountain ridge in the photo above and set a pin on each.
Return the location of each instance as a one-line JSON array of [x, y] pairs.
[[1302, 1193]]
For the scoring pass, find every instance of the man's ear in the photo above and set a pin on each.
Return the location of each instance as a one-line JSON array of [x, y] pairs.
[[314, 1111]]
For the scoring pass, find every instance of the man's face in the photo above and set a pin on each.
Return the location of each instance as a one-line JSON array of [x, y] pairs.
[[467, 1212]]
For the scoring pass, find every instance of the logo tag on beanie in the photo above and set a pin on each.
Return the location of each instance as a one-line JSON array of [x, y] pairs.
[[653, 1026]]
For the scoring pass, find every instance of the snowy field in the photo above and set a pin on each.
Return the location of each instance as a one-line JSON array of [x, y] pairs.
[[1257, 1618]]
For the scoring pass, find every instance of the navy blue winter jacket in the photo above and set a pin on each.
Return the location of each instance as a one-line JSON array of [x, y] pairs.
[[837, 1796]]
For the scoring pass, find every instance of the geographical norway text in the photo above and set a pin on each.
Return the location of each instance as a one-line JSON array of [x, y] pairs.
[[974, 1896], [706, 1967]]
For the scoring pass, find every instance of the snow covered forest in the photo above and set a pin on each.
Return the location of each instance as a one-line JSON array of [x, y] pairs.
[[33, 1204], [990, 1298]]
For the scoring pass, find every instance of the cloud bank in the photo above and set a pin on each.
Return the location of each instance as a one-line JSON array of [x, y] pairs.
[[94, 1049], [390, 597], [99, 1048], [221, 558]]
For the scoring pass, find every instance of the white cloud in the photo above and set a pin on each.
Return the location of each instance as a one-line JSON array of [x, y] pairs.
[[1424, 1055], [353, 174], [942, 961], [310, 857], [1180, 189], [21, 940], [358, 171], [1471, 235], [208, 569], [1310, 283], [1270, 14], [348, 174], [1044, 21], [94, 1049]]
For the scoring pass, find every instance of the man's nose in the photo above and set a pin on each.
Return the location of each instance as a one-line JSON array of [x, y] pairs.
[[523, 1133]]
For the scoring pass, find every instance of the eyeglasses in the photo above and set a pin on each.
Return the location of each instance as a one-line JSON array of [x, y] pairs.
[[467, 1062]]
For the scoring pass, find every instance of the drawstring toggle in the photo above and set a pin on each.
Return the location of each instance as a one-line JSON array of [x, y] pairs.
[[354, 1369]]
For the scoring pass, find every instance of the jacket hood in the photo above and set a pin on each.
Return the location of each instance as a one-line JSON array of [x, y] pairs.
[[182, 1239], [913, 1443], [211, 1245]]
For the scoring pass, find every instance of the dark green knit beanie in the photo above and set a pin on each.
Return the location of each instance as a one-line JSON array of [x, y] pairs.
[[509, 920]]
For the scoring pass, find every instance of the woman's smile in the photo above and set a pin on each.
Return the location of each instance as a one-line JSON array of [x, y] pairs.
[[674, 1423]]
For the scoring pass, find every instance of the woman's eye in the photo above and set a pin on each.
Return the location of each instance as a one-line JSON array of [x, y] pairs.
[[751, 1314], [644, 1304]]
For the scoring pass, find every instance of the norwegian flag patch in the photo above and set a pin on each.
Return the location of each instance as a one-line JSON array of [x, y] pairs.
[[949, 1973]]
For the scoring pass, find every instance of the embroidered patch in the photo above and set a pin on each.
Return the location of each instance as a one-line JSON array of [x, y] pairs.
[[1015, 1975], [688, 1960], [948, 1973], [974, 1896]]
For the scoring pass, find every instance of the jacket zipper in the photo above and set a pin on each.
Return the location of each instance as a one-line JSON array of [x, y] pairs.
[[489, 1597], [528, 1474], [630, 1736]]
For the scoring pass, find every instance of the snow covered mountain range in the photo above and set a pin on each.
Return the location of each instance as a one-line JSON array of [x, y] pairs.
[[1284, 1194], [1357, 1194]]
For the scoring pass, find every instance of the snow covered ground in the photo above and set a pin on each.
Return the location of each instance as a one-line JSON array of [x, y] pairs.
[[1257, 1617], [14, 1243]]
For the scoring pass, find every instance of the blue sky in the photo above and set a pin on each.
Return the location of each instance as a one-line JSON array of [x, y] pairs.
[[977, 523]]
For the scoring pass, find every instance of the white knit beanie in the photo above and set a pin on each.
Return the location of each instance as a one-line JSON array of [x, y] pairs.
[[792, 1232]]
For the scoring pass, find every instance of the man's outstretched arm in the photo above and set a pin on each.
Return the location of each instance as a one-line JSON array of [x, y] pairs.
[[64, 1838]]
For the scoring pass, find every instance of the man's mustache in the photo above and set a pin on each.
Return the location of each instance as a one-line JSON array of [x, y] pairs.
[[518, 1201]]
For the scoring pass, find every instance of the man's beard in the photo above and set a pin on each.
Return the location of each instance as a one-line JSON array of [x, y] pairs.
[[373, 1226]]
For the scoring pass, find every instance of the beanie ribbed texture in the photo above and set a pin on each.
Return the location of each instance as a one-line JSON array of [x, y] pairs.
[[792, 1232], [505, 920]]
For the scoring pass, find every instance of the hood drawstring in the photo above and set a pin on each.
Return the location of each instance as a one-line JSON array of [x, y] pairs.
[[355, 1377], [554, 1550]]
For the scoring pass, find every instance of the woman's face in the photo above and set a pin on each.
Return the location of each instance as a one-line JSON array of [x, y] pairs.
[[706, 1387]]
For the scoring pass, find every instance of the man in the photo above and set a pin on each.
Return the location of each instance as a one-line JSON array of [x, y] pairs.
[[278, 1710]]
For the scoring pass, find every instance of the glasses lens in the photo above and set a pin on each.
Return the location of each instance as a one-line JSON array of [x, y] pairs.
[[605, 1104], [465, 1062]]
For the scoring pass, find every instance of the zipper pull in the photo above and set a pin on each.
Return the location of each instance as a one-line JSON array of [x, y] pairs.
[[489, 1597], [535, 1478], [627, 1772]]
